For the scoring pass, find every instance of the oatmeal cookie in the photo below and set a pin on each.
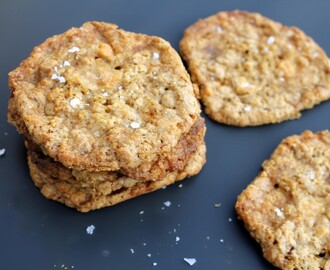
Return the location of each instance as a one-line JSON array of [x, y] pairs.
[[99, 98], [251, 70], [88, 191], [287, 207]]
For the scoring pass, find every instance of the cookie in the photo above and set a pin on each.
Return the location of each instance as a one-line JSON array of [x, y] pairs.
[[287, 207], [99, 98], [251, 70], [88, 191]]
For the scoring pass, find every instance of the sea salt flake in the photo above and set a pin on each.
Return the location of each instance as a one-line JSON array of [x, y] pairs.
[[247, 108], [155, 55], [279, 212], [180, 186], [2, 151], [132, 251], [149, 255], [245, 84], [164, 187], [66, 64], [167, 203], [219, 29], [230, 219], [154, 264], [105, 94], [135, 125], [141, 212], [217, 205], [316, 54], [221, 240], [61, 79], [73, 49], [311, 175], [190, 261], [90, 229], [55, 69], [120, 87], [177, 238], [54, 77], [74, 102], [270, 40], [282, 79]]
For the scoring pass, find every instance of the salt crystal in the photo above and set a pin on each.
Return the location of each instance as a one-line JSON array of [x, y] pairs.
[[221, 241], [155, 55], [74, 102], [149, 255], [132, 251], [245, 84], [55, 69], [177, 239], [282, 79], [316, 54], [180, 186], [141, 212], [61, 79], [105, 94], [154, 264], [54, 77], [164, 187], [230, 219], [279, 212], [2, 151], [135, 125], [270, 40], [247, 108], [190, 261], [217, 205], [219, 29], [120, 87], [73, 49], [90, 229], [66, 64], [311, 175], [167, 203]]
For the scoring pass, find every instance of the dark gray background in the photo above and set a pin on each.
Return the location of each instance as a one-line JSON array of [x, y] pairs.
[[36, 233]]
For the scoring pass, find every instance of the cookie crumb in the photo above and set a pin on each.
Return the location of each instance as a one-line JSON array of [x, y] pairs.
[[190, 261], [90, 229], [2, 151], [73, 49]]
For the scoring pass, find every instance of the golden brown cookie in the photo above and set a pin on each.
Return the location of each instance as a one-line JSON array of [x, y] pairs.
[[87, 191], [287, 207], [251, 70], [99, 98]]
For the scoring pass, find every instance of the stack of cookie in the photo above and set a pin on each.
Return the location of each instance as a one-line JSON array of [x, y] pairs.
[[107, 115]]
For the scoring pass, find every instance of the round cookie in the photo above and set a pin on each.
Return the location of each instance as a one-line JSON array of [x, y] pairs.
[[99, 98], [88, 191], [287, 207], [251, 70]]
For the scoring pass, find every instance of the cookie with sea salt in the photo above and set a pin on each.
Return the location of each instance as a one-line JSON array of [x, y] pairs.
[[251, 70], [99, 98], [287, 207], [88, 191]]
